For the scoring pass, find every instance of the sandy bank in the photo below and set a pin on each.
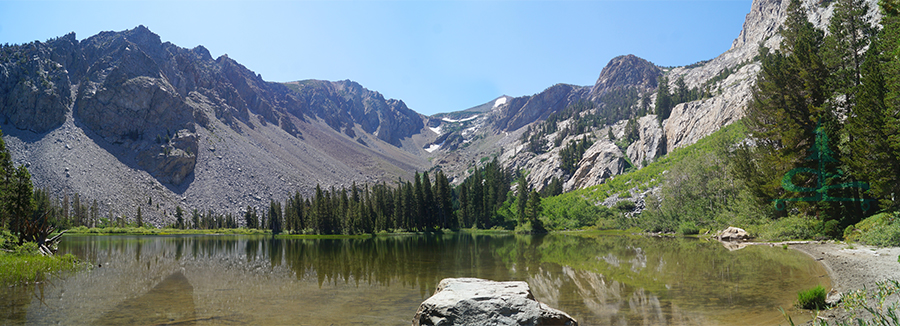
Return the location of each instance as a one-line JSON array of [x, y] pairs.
[[853, 267]]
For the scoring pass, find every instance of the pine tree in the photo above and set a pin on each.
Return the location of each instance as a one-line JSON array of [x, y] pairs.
[[139, 218], [849, 35], [275, 217], [664, 105], [522, 200], [534, 212], [250, 220], [787, 109], [179, 217], [872, 125], [429, 203], [444, 199]]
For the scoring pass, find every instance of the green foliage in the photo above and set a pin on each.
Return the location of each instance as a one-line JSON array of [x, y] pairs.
[[688, 228], [812, 299], [26, 267], [793, 227], [574, 204], [881, 229]]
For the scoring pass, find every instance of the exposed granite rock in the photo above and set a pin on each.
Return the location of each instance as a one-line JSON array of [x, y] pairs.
[[626, 71], [343, 103], [521, 111], [691, 121], [733, 234], [472, 301], [650, 145], [600, 162], [34, 89]]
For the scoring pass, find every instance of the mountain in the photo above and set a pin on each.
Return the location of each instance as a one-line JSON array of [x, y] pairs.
[[530, 133], [126, 119], [130, 121]]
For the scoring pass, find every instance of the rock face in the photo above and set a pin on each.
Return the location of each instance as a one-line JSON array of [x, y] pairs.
[[35, 101], [626, 71], [733, 234], [691, 121], [521, 111], [471, 301], [600, 162], [650, 145]]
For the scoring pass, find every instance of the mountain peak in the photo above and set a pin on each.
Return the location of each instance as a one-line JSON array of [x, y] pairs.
[[627, 70]]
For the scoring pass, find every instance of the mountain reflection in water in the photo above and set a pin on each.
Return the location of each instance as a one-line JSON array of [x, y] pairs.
[[258, 280], [169, 302]]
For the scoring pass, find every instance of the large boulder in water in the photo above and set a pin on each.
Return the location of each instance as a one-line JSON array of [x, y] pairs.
[[472, 301], [733, 234]]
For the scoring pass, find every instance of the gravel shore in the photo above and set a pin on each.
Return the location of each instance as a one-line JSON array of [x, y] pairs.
[[854, 267]]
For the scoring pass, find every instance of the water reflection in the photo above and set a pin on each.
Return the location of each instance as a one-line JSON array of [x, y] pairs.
[[381, 280], [169, 302]]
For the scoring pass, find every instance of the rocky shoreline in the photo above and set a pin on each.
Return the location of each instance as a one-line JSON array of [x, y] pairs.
[[853, 267]]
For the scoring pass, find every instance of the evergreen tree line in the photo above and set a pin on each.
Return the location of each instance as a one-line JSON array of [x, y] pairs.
[[424, 204], [419, 205], [825, 118], [201, 221]]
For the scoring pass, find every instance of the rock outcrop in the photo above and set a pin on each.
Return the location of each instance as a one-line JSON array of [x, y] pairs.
[[34, 85], [733, 234], [600, 162], [471, 301], [650, 145], [626, 71], [521, 111]]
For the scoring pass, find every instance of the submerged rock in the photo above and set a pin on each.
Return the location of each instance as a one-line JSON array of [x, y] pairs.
[[472, 301]]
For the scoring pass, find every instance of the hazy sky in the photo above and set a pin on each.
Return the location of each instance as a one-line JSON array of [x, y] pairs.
[[437, 56]]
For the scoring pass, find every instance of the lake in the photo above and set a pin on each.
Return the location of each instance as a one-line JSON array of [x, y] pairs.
[[224, 279]]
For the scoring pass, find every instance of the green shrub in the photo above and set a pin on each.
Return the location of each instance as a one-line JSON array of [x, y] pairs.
[[812, 299], [794, 227], [28, 248], [7, 240], [881, 229], [688, 228]]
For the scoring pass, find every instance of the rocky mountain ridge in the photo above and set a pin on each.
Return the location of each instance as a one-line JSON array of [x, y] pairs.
[[177, 125], [154, 122], [729, 79]]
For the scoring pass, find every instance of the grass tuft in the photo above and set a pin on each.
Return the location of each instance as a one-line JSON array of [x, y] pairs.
[[812, 299]]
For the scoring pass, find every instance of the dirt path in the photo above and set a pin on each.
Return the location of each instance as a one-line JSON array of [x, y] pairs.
[[854, 267]]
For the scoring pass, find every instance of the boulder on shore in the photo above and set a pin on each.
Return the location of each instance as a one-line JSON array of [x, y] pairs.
[[472, 301], [733, 234]]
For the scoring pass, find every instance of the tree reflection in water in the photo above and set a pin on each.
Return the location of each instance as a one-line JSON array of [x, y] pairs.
[[381, 280]]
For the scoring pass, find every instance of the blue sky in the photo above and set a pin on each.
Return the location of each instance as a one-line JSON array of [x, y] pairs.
[[437, 56]]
